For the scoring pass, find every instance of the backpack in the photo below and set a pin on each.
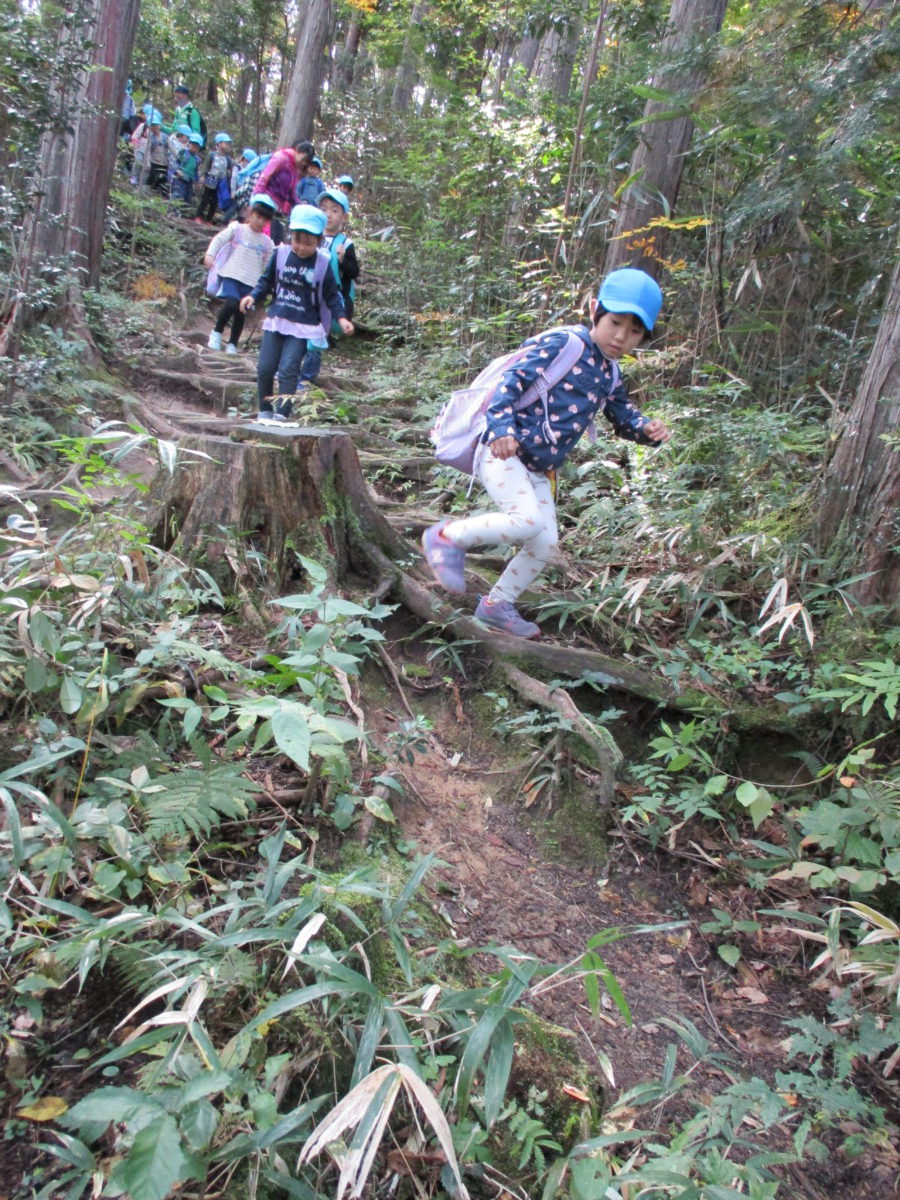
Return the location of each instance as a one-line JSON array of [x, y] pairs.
[[203, 130], [212, 279], [323, 266], [338, 240], [462, 422]]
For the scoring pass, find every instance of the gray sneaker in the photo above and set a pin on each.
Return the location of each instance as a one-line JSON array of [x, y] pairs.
[[505, 618]]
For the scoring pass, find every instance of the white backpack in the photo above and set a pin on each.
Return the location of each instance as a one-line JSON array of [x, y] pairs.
[[461, 423]]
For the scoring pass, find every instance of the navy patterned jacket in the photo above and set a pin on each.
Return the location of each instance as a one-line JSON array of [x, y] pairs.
[[589, 388]]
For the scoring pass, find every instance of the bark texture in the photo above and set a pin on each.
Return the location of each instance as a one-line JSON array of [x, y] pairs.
[[78, 152], [408, 71], [308, 73], [658, 160], [859, 509]]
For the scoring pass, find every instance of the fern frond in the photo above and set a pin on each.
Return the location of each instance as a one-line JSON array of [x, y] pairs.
[[196, 801]]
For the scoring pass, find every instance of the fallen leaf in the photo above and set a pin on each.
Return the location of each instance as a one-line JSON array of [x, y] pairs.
[[753, 994], [576, 1093], [847, 781], [48, 1108]]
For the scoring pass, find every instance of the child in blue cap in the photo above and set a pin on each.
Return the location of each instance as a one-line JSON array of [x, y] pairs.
[[216, 168], [307, 297], [522, 449]]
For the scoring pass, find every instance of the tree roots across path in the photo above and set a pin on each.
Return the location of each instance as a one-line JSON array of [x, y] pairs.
[[282, 491]]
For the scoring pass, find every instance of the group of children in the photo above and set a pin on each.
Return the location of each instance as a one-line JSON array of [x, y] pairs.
[[311, 279]]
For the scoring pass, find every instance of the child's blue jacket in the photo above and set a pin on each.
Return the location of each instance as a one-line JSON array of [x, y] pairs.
[[589, 388]]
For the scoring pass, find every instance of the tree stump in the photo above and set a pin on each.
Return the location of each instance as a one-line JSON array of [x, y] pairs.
[[276, 492]]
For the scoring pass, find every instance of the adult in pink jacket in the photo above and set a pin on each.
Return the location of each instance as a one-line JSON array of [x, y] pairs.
[[282, 172]]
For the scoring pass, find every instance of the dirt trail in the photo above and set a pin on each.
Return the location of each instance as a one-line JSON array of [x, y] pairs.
[[512, 877]]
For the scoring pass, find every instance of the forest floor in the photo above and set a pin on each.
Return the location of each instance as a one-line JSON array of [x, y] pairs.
[[546, 879]]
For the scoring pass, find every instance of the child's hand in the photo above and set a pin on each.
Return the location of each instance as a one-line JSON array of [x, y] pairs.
[[246, 304], [505, 447], [346, 326], [208, 261], [657, 430], [340, 252]]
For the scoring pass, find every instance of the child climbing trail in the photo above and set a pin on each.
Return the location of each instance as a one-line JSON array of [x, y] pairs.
[[532, 429], [344, 265], [216, 175], [237, 257], [307, 297]]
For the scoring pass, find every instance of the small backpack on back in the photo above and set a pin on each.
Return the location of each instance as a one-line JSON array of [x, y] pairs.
[[461, 423]]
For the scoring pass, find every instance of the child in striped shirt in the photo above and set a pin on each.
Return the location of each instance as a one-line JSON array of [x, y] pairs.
[[238, 271]]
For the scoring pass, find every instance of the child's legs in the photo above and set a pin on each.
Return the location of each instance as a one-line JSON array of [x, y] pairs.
[[208, 200], [526, 517], [231, 292], [269, 358], [228, 310], [312, 364], [292, 352]]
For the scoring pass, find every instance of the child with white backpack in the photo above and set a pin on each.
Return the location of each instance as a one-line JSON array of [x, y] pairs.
[[235, 259], [547, 397]]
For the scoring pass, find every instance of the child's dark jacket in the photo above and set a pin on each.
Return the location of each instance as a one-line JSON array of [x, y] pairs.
[[296, 298], [589, 388]]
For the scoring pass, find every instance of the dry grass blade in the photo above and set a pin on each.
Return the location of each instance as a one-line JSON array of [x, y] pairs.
[[370, 1104]]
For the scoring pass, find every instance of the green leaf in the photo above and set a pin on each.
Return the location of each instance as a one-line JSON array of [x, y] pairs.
[[69, 696], [155, 1163], [762, 807], [745, 793], [731, 954], [716, 785], [291, 732], [380, 808]]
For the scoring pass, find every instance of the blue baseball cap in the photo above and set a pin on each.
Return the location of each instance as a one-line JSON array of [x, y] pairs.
[[336, 196], [221, 138], [347, 180], [264, 201], [630, 290], [305, 218]]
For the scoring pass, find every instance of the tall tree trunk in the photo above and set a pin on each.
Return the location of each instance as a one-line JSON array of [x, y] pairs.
[[77, 156], [527, 52], [556, 58], [349, 53], [859, 500], [408, 71], [308, 73], [658, 160]]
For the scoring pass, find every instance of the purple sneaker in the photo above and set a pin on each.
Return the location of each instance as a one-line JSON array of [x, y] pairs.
[[504, 617], [446, 559]]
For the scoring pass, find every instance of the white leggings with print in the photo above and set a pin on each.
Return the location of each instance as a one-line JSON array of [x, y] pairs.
[[527, 518]]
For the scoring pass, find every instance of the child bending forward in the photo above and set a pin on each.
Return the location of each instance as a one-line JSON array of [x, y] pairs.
[[307, 297], [521, 451]]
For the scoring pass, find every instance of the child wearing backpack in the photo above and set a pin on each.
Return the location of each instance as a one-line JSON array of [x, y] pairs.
[[533, 422], [307, 297], [344, 266], [216, 169], [239, 254]]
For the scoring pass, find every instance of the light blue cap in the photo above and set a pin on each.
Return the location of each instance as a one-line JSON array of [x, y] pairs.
[[147, 110], [629, 290], [335, 195], [248, 153], [306, 219], [222, 137], [184, 130], [154, 117], [348, 179], [196, 139], [263, 199]]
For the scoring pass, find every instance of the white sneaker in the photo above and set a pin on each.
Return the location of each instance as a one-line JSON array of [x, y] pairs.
[[231, 348], [215, 341]]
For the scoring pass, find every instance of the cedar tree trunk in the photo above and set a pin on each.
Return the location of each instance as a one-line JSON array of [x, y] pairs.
[[308, 73], [859, 501], [658, 160]]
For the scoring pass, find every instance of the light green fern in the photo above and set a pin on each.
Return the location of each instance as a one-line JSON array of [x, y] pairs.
[[196, 800]]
